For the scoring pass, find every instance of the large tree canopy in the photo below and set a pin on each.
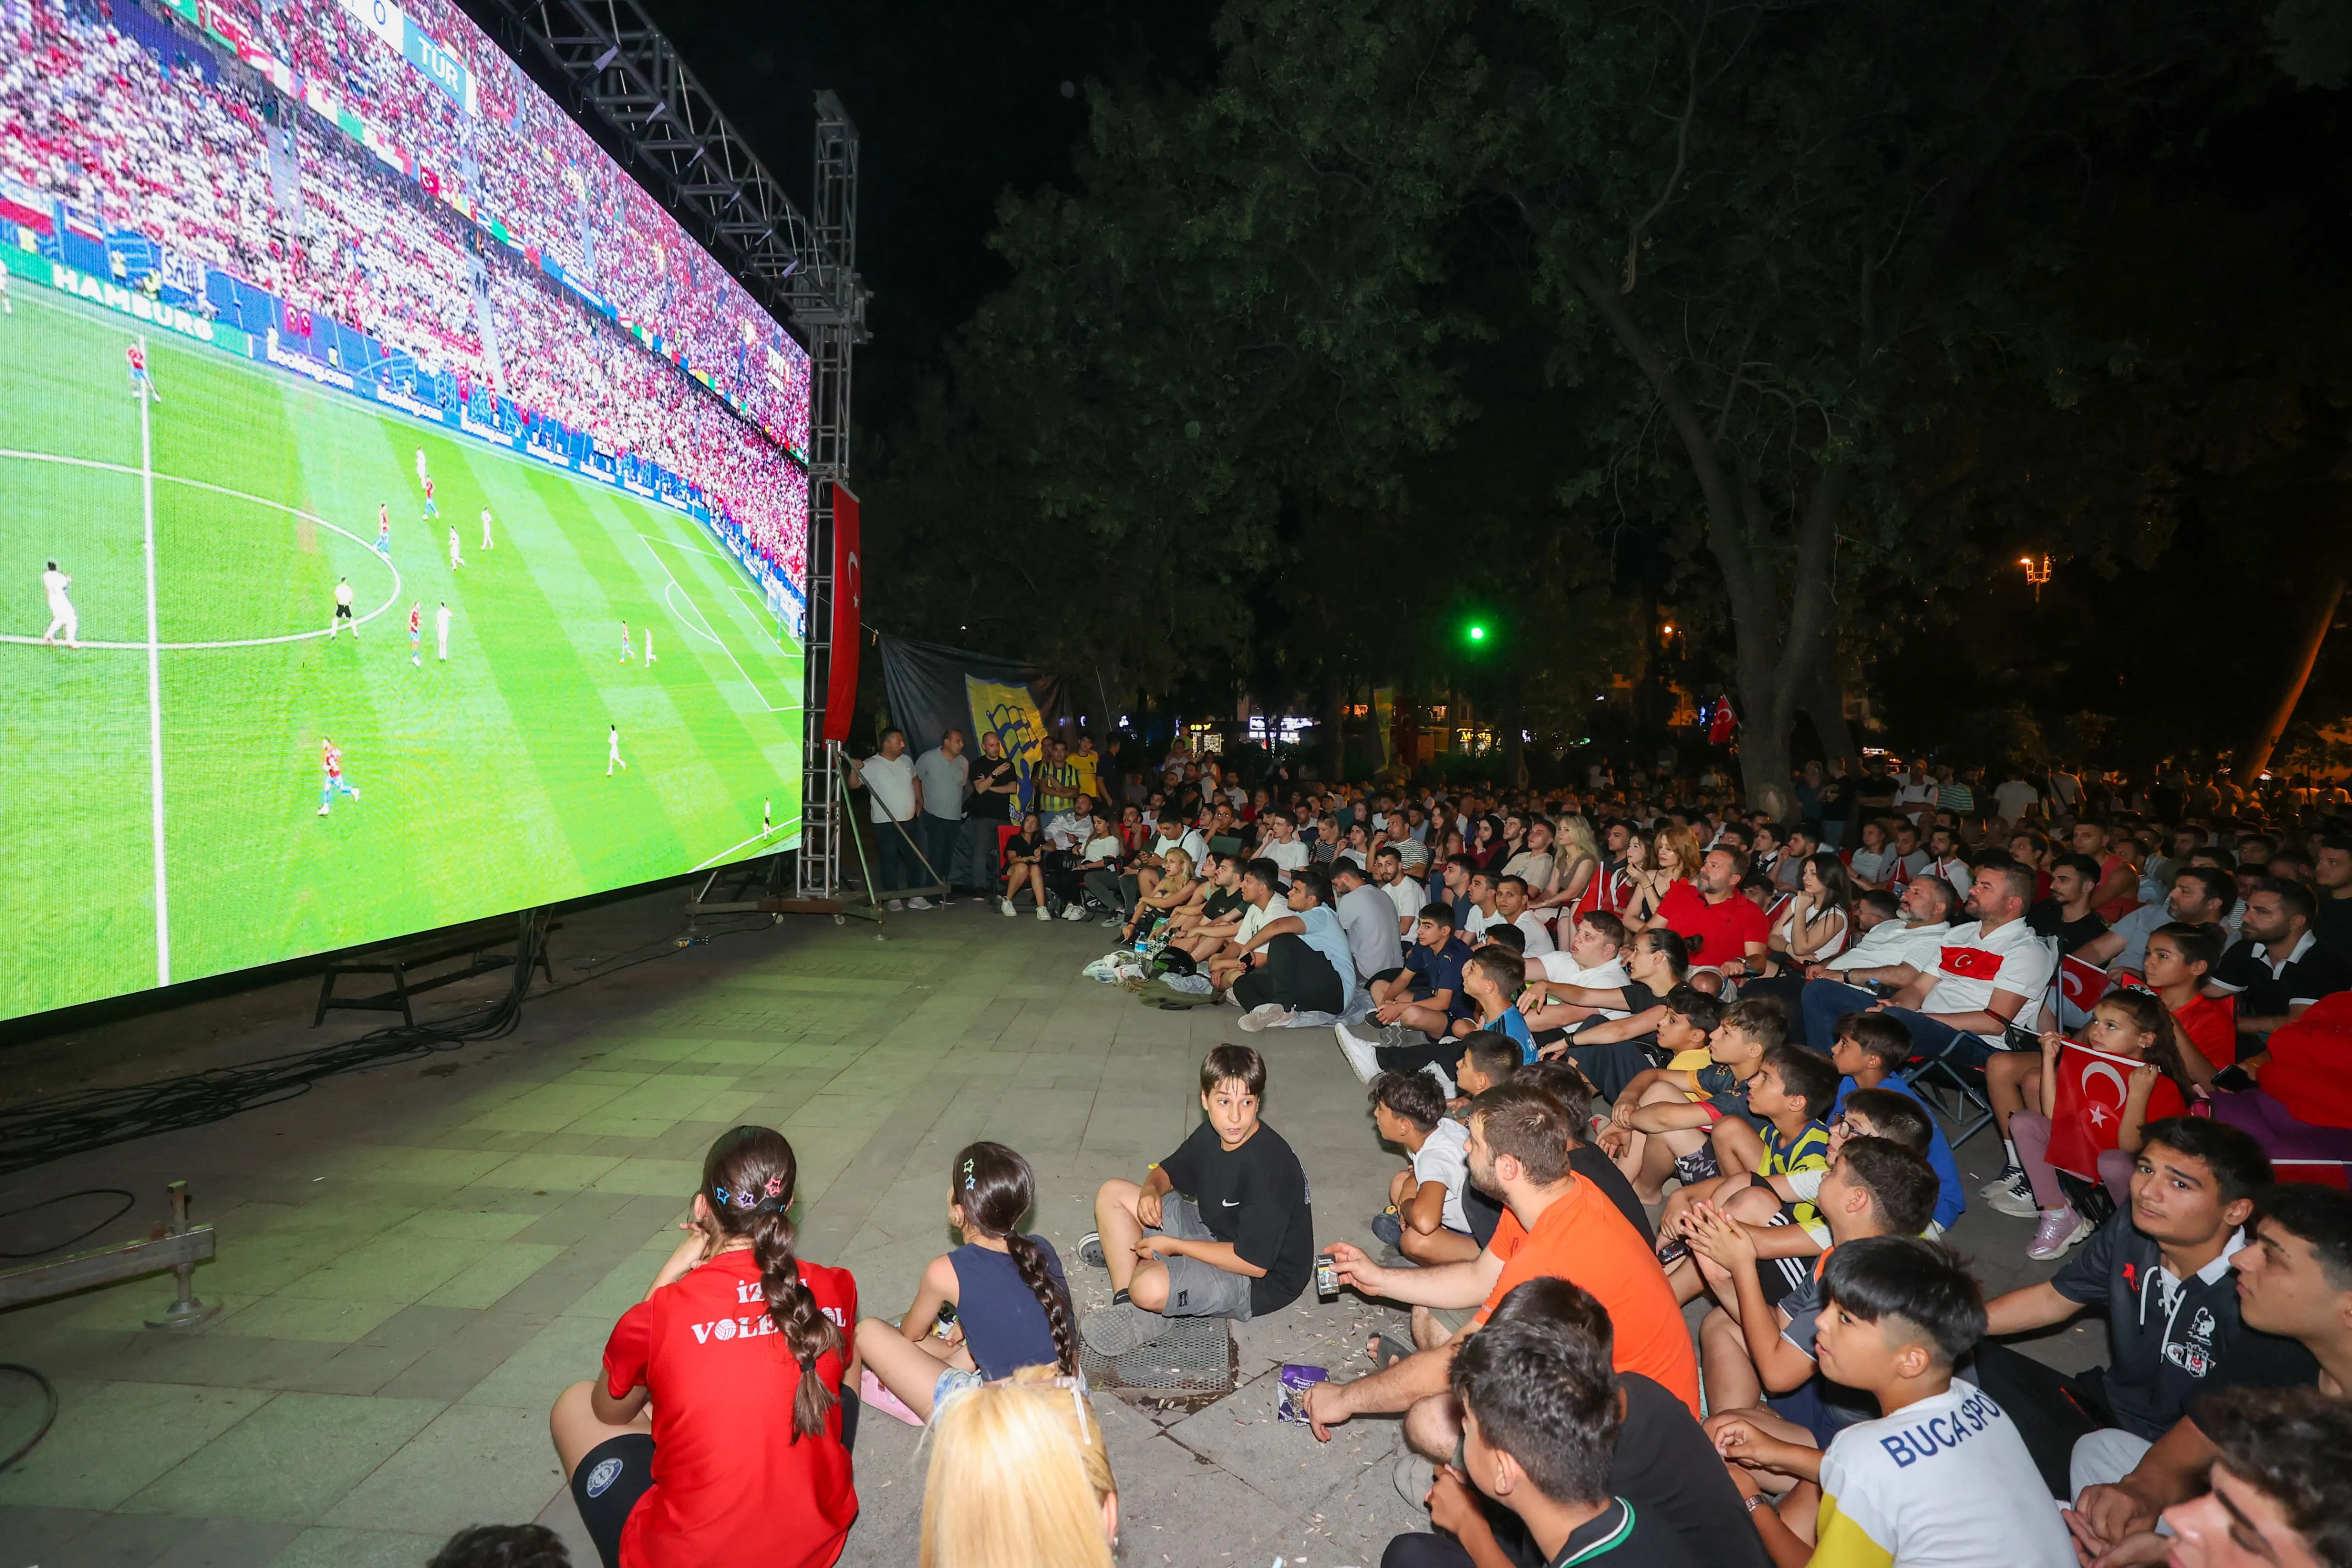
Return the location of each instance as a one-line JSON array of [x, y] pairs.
[[1792, 295]]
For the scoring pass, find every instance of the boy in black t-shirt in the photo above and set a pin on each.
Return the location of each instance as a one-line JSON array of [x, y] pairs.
[[1220, 1228], [2160, 1268]]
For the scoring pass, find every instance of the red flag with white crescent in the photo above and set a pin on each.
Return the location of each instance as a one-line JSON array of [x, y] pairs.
[[2080, 986], [1723, 725], [2089, 1115]]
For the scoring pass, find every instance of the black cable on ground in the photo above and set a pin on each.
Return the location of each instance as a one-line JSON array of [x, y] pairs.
[[49, 1129], [128, 1200], [48, 1392]]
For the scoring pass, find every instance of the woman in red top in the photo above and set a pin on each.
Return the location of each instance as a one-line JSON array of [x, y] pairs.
[[741, 1350]]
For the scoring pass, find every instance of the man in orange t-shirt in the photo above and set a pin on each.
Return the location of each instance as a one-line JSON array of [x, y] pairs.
[[1556, 1224]]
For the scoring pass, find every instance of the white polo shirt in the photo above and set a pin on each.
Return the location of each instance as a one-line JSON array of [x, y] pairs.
[[1972, 964], [1890, 943]]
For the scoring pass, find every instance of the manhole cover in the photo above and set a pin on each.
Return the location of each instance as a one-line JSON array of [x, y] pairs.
[[1195, 1364]]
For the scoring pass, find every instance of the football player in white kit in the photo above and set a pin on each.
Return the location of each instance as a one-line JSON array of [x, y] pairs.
[[62, 618], [342, 611], [441, 630], [487, 543], [613, 752]]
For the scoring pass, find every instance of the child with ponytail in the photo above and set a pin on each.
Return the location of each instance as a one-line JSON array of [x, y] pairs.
[[1011, 1304], [739, 1348]]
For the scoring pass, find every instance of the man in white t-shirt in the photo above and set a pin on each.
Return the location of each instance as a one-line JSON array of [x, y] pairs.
[[1511, 904], [1915, 797], [1404, 894], [1282, 845], [1988, 974], [2011, 796], [893, 797], [1483, 911]]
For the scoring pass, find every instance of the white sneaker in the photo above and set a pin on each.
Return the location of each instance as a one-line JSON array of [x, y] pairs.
[[896, 905], [1075, 912], [1359, 1052], [1267, 1015], [1042, 913], [918, 902], [2014, 1198], [1005, 907], [323, 811]]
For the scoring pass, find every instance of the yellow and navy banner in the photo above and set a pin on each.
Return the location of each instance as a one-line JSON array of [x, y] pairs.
[[933, 689]]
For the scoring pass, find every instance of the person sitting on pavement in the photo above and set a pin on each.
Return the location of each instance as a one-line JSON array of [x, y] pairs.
[[1424, 1219], [1300, 962], [1427, 996], [1220, 1228]]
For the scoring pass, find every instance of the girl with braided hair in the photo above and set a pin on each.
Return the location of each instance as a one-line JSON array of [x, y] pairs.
[[740, 1350], [1011, 1304]]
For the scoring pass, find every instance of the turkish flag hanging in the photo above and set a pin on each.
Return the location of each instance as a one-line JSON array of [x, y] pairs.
[[1723, 725], [2089, 1114], [848, 598]]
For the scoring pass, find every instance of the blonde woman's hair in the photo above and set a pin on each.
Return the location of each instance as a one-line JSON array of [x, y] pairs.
[[1577, 833], [1685, 843], [1018, 1477], [1183, 855]]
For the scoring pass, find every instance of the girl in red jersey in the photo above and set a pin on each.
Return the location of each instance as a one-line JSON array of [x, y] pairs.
[[741, 1351]]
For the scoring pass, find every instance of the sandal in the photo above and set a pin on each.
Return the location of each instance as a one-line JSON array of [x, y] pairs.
[[1385, 1351]]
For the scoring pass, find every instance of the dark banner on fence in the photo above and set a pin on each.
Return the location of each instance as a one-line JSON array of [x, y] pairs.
[[934, 689]]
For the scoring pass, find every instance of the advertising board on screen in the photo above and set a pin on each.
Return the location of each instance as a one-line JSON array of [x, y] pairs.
[[402, 518]]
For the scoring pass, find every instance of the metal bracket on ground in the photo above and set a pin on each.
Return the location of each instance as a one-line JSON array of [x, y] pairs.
[[176, 1246]]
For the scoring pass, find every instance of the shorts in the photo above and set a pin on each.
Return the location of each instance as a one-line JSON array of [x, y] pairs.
[[342, 612], [1197, 1289], [607, 1484], [953, 1381], [1782, 1276]]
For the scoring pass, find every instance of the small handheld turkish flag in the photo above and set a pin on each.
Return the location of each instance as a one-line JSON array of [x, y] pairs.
[[2080, 986]]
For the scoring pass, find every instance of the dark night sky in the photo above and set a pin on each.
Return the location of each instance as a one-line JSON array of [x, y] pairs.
[[954, 104]]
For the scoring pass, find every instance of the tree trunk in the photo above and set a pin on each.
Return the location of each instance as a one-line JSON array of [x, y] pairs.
[[2255, 754], [1335, 726]]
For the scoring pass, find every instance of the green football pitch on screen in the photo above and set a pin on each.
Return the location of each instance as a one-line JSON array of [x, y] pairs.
[[169, 807]]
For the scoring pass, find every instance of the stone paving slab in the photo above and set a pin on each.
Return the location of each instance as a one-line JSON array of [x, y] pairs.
[[414, 1260]]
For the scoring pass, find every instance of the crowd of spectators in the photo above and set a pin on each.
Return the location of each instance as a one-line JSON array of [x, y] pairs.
[[1641, 1049], [196, 164]]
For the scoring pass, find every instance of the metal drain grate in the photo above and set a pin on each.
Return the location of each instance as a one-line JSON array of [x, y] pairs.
[[1195, 1363]]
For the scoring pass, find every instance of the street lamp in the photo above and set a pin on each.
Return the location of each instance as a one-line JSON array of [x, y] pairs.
[[2035, 575]]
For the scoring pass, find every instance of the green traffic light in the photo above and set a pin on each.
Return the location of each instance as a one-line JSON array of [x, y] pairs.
[[1477, 634]]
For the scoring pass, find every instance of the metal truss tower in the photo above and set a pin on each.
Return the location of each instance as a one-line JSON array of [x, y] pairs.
[[607, 60]]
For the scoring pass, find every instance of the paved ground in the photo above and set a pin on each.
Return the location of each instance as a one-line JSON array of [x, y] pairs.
[[413, 1260]]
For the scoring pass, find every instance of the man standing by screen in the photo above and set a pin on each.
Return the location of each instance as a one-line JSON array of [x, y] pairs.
[[945, 773], [894, 799]]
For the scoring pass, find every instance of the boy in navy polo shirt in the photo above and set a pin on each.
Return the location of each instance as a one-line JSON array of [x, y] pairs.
[[1426, 994]]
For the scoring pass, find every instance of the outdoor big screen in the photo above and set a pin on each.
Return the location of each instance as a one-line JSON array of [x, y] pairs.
[[401, 520]]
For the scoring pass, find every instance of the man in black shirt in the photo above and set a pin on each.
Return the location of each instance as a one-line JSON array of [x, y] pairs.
[[2161, 1270], [2278, 968], [2068, 916], [1560, 1457], [2331, 869], [1220, 1228]]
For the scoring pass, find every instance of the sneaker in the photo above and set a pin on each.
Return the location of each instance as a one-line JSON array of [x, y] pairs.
[[896, 904], [918, 902], [1110, 922], [2059, 1231], [1112, 1331], [1004, 907], [1414, 1476], [323, 811], [1359, 1051], [874, 1396], [1042, 913], [2014, 1197], [1444, 1079], [1389, 1229], [1697, 1166], [1075, 912], [1267, 1015], [2008, 1174], [1090, 1252]]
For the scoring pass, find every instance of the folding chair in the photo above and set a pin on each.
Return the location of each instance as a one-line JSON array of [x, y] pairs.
[[1935, 1077]]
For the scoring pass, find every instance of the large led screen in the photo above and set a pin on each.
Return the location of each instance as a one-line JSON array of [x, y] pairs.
[[401, 520]]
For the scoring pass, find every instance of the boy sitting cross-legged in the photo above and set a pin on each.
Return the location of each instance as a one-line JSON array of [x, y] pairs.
[[1419, 1002], [1424, 1219], [1941, 1475], [1220, 1228], [1784, 1092], [1660, 1125]]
